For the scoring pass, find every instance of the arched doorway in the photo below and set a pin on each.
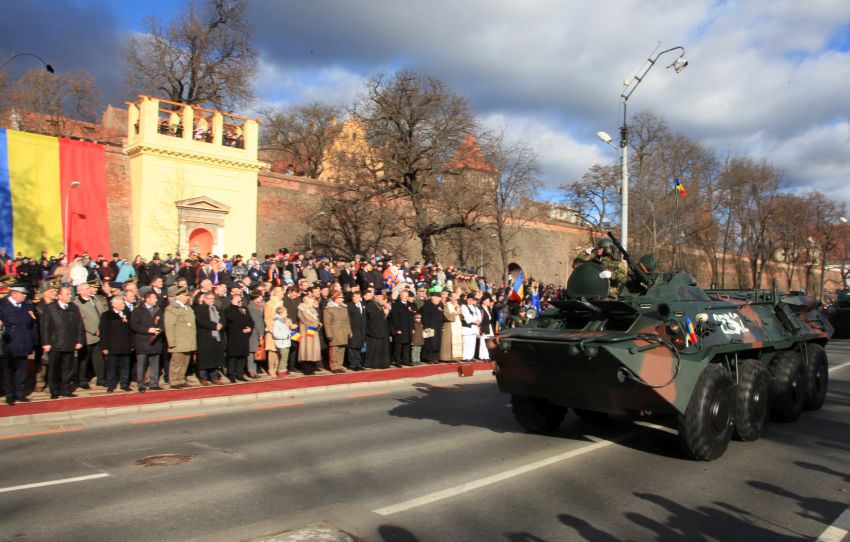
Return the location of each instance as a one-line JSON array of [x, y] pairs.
[[201, 241]]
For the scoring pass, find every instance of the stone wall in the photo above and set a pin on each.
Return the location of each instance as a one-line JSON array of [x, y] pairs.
[[119, 200]]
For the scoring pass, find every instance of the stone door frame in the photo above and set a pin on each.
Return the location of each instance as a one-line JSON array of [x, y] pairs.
[[201, 212]]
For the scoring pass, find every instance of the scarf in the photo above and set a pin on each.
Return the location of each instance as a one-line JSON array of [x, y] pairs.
[[214, 319]]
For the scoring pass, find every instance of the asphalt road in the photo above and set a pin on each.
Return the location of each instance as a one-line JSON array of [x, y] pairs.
[[426, 462]]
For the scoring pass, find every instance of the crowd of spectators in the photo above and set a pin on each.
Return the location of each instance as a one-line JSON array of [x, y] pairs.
[[136, 325]]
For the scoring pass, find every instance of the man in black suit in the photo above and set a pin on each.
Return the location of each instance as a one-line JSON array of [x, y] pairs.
[[401, 323], [62, 334], [117, 344], [146, 324], [357, 317]]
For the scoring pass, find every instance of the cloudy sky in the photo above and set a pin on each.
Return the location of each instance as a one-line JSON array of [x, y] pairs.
[[768, 79]]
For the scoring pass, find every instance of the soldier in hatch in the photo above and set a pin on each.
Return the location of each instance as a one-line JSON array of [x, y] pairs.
[[639, 284], [603, 254]]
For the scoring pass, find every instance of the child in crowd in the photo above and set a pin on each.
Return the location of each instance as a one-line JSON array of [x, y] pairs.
[[417, 340], [282, 334]]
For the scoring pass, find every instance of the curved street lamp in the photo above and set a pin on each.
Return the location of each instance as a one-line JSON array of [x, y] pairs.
[[631, 85], [47, 66]]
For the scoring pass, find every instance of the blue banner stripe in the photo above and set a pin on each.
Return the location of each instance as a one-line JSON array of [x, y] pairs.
[[5, 197]]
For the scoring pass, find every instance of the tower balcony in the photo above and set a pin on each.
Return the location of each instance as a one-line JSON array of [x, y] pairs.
[[154, 122]]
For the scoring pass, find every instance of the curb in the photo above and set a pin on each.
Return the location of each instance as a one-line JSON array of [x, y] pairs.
[[226, 400]]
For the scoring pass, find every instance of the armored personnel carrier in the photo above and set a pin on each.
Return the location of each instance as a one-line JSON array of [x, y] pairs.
[[720, 362]]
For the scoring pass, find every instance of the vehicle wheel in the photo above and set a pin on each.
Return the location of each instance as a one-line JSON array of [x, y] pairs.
[[751, 400], [706, 427], [787, 386], [592, 417], [817, 376], [536, 414]]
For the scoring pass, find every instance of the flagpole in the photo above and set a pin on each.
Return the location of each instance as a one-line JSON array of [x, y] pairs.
[[676, 246]]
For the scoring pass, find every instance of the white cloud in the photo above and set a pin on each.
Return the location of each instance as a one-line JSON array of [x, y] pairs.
[[563, 158], [760, 80]]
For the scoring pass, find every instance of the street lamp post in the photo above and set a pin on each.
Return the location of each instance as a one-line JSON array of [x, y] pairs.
[[47, 66], [74, 184], [844, 221], [630, 86]]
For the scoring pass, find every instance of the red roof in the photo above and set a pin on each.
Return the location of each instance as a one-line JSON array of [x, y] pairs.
[[469, 156]]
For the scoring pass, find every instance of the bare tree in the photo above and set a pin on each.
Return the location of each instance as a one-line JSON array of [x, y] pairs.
[[414, 124], [791, 228], [305, 134], [354, 217], [596, 197], [203, 56], [825, 215], [516, 171], [55, 96]]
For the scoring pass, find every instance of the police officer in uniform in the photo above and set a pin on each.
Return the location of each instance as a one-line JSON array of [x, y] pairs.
[[19, 335]]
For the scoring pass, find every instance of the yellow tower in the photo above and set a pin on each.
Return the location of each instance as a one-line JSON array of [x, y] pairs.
[[194, 179]]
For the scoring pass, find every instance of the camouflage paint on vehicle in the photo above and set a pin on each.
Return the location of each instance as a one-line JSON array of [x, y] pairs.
[[632, 355]]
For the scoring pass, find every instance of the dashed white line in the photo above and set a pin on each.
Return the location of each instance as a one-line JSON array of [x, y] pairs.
[[843, 365], [838, 530], [54, 482], [495, 478]]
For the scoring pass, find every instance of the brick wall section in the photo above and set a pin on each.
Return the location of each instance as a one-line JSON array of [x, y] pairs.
[[284, 207], [119, 200]]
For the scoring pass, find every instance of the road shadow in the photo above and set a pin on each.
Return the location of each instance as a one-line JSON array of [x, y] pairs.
[[823, 469], [815, 508], [394, 533], [717, 521], [482, 405]]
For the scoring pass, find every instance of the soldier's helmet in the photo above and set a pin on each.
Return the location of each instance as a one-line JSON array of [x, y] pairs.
[[606, 245], [647, 263]]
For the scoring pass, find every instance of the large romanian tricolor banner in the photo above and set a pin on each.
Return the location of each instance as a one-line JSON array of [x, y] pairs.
[[36, 173]]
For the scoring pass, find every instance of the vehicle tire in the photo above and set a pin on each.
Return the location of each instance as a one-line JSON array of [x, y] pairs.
[[787, 386], [592, 417], [752, 406], [536, 414], [706, 427], [817, 376]]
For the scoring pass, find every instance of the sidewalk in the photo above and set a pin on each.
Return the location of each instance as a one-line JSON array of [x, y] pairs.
[[98, 403]]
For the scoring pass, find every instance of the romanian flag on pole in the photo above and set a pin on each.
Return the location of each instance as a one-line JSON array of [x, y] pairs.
[[680, 188], [36, 172], [517, 289]]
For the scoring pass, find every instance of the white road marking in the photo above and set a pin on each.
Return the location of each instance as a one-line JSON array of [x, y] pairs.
[[54, 482], [838, 530], [843, 365], [496, 478]]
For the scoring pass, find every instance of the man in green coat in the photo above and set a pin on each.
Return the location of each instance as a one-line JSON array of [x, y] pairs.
[[89, 357], [181, 335]]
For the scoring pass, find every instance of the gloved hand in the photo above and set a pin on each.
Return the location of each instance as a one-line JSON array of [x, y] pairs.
[[605, 274], [588, 251]]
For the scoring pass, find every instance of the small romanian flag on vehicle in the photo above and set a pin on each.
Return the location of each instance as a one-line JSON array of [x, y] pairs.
[[311, 331], [296, 336], [692, 332], [680, 188]]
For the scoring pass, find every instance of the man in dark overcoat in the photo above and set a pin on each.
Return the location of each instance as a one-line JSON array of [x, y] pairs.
[[238, 326], [401, 323], [116, 344], [377, 332], [146, 323], [357, 319], [20, 334], [432, 325], [62, 334]]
